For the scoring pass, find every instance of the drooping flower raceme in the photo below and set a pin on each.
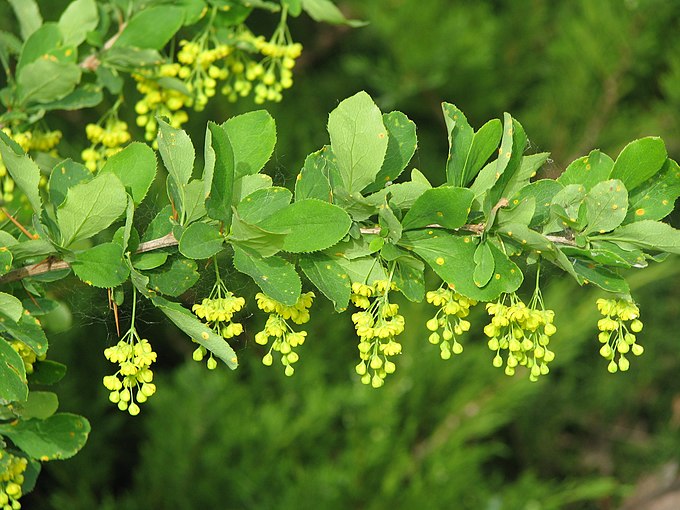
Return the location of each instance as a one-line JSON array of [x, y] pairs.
[[377, 327], [523, 332], [449, 323], [132, 384], [617, 328], [277, 328]]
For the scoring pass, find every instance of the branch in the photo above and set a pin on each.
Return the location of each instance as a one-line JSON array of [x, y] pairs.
[[49, 264]]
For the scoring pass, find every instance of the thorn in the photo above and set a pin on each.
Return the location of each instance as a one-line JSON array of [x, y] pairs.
[[18, 225]]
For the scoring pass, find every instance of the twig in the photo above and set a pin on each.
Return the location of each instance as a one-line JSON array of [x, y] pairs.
[[48, 265]]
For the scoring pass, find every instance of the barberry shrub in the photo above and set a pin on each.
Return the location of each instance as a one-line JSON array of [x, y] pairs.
[[357, 230], [177, 55]]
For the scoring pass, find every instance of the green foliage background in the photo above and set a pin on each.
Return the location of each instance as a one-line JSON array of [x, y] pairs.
[[457, 434]]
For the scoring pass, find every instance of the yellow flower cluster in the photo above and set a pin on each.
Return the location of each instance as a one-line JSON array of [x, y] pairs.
[[27, 355], [133, 380], [377, 327], [268, 77], [12, 469], [449, 322], [105, 141], [242, 62], [616, 335], [160, 99], [524, 332], [217, 311], [285, 339]]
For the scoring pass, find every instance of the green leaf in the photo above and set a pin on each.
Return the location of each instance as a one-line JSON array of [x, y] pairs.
[[90, 207], [329, 277], [452, 258], [528, 167], [174, 277], [460, 140], [484, 144], [541, 193], [253, 137], [44, 41], [177, 152], [310, 225], [101, 266], [446, 206], [209, 159], [24, 172], [32, 248], [327, 12], [388, 220], [567, 205], [220, 182], [526, 237], [313, 180], [655, 199], [647, 234], [520, 212], [600, 276], [10, 306], [79, 18], [29, 331], [606, 206], [255, 238], [509, 160], [47, 372], [128, 56], [276, 277], [152, 27], [359, 208], [199, 332], [46, 80], [200, 241], [358, 140], [484, 264], [28, 15], [294, 7], [60, 436], [135, 166], [588, 170], [12, 374], [363, 270], [7, 240], [263, 203], [194, 201], [160, 226], [194, 10], [605, 257], [245, 185], [409, 276], [150, 260], [85, 96], [39, 306], [40, 405], [401, 145], [402, 195], [638, 161], [6, 258], [64, 176]]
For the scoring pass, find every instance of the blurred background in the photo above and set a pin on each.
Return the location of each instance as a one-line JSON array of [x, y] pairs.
[[454, 434]]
